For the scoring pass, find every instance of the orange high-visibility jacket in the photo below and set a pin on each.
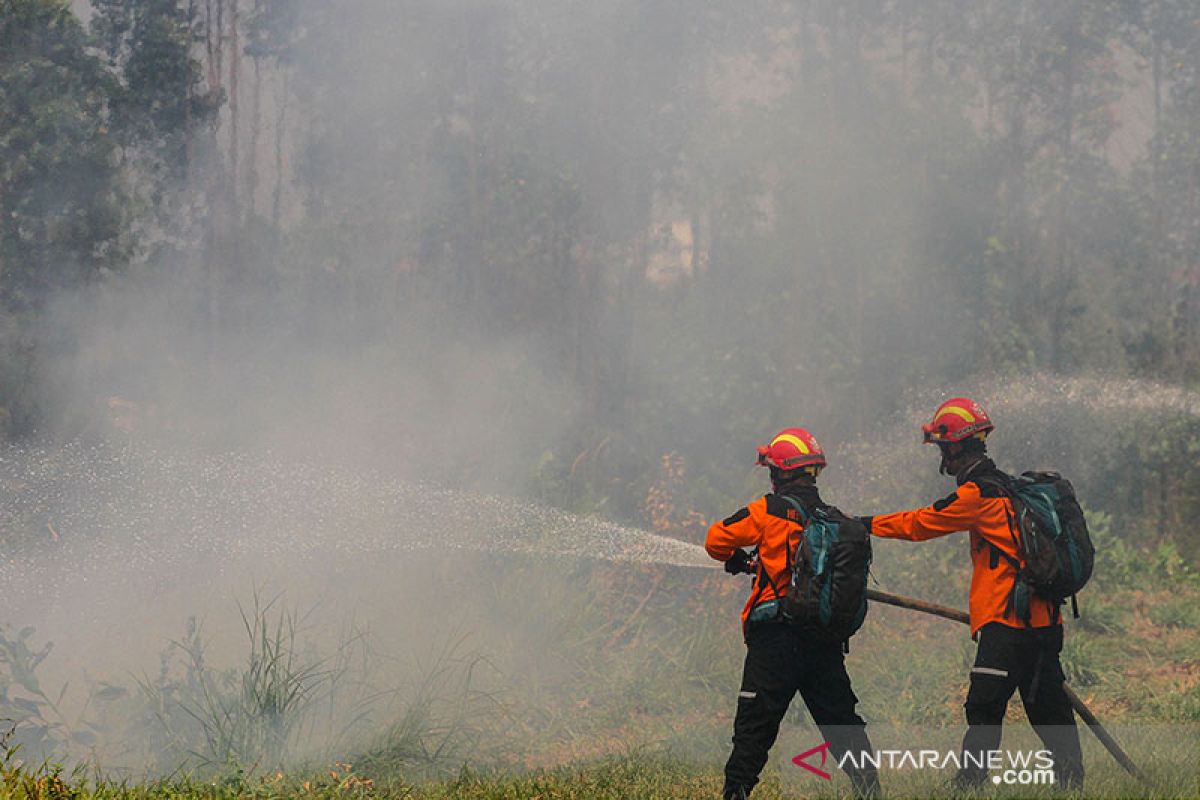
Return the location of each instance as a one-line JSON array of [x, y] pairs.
[[772, 525], [985, 514]]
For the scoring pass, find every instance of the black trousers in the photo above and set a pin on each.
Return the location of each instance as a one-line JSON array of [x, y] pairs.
[[781, 661], [1024, 659]]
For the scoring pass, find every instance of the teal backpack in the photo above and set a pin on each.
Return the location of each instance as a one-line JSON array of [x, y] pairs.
[[1051, 534], [827, 583]]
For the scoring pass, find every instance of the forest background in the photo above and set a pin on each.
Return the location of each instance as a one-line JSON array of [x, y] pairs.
[[588, 254]]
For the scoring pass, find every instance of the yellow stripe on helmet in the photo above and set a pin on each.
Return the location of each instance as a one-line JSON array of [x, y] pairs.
[[958, 412], [796, 440]]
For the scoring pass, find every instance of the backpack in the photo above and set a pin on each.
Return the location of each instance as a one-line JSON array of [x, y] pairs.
[[827, 574], [1053, 541]]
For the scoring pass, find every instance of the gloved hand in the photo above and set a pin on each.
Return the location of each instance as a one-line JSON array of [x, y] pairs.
[[739, 562], [866, 521]]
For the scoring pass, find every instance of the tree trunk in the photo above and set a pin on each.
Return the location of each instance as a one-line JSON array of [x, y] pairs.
[[255, 130], [214, 23], [235, 64], [280, 123], [1156, 151], [1058, 293], [472, 276], [190, 97], [214, 244], [4, 217]]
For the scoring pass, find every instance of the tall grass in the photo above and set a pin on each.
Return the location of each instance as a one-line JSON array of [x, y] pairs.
[[285, 704], [249, 715], [443, 721]]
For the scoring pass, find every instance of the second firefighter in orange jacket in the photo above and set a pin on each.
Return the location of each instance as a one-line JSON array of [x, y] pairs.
[[984, 512], [1016, 651]]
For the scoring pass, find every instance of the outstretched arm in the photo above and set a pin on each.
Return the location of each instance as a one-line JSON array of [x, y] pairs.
[[957, 512]]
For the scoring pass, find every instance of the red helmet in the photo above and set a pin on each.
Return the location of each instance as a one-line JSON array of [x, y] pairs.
[[792, 448], [957, 419]]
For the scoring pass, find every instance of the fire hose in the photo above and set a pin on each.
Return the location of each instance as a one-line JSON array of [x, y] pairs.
[[1106, 739]]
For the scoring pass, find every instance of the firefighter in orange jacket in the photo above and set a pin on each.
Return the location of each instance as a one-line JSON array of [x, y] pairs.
[[1015, 652], [780, 659]]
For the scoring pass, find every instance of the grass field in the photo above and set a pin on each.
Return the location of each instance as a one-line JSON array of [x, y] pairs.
[[616, 778]]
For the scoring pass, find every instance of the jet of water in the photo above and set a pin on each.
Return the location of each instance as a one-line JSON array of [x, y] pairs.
[[105, 513]]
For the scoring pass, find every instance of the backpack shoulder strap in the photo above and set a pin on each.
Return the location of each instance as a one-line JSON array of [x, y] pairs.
[[805, 514], [1004, 484], [787, 550], [997, 481], [796, 504]]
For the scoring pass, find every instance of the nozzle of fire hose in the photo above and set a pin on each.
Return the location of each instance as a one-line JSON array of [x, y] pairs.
[[739, 562]]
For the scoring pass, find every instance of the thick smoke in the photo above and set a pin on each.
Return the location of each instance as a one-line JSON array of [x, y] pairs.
[[463, 256]]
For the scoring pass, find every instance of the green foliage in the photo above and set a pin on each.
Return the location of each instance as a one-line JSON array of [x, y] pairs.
[[60, 212], [40, 726], [1181, 613], [61, 207], [159, 103], [246, 716], [23, 703], [1122, 561]]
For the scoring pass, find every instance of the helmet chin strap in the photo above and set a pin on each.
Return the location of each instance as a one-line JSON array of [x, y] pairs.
[[950, 454], [947, 457], [967, 470]]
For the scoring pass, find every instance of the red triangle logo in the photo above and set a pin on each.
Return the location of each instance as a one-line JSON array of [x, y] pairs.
[[800, 760]]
